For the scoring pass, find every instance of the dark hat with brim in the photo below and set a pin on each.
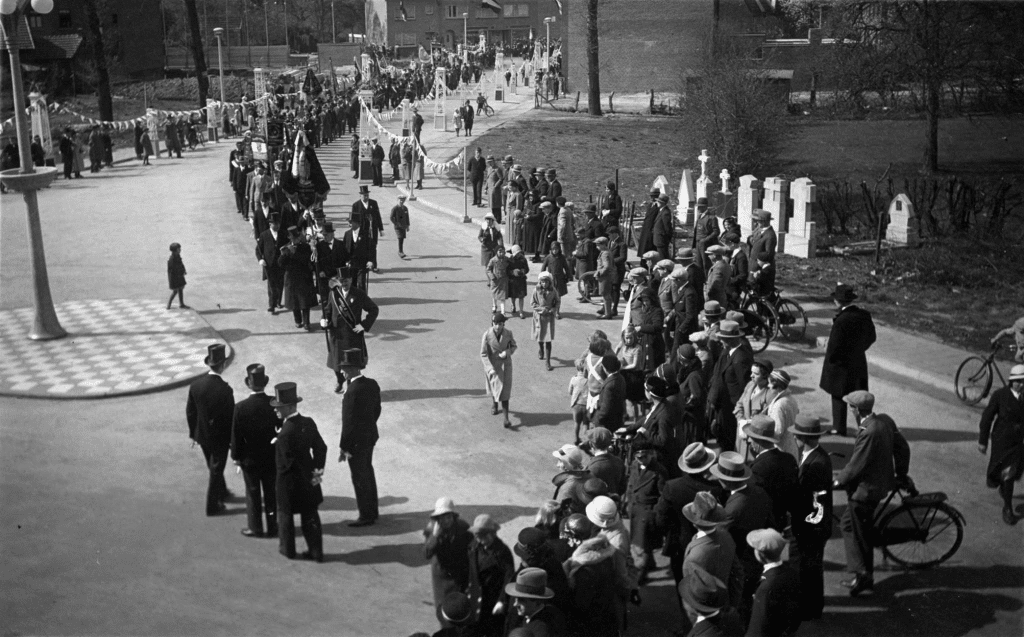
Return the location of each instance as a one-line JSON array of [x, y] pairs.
[[285, 394], [530, 540], [704, 512], [216, 354], [761, 428], [843, 293], [703, 592], [530, 583], [808, 427], [457, 608], [731, 468]]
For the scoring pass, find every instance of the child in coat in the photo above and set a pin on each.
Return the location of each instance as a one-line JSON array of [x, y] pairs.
[[176, 276]]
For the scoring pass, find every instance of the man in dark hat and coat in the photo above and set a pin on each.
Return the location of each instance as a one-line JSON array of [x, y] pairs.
[[645, 243], [301, 456], [1003, 421], [360, 409], [358, 242], [268, 253], [330, 255], [762, 241], [209, 411], [377, 163], [663, 233], [774, 470], [296, 260], [845, 368], [253, 430], [776, 604], [349, 313], [812, 513], [705, 232], [368, 213]]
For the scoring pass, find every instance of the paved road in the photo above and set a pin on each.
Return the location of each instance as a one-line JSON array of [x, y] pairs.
[[103, 528]]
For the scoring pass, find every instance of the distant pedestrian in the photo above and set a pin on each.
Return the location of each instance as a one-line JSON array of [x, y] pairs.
[[400, 222], [845, 368], [518, 267], [176, 276], [496, 352], [146, 145]]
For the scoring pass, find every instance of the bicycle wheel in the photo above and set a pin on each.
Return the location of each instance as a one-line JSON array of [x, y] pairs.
[[921, 535], [489, 110], [792, 320], [973, 380], [760, 327]]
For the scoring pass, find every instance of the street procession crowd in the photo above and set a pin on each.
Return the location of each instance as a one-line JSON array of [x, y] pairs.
[[684, 443]]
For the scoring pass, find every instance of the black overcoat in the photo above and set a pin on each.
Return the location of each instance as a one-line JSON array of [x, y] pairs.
[[342, 319], [209, 410], [300, 450], [1003, 422], [299, 292], [253, 429], [845, 368]]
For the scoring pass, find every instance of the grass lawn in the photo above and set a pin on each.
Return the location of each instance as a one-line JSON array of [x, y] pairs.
[[959, 290]]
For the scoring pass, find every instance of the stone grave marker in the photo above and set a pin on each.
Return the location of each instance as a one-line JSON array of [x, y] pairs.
[[904, 228], [748, 197], [800, 238], [687, 198], [776, 190]]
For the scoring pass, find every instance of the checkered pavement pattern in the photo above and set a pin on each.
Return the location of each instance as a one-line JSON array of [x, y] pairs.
[[113, 348]]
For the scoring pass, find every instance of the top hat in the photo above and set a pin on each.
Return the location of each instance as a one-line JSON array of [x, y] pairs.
[[704, 512], [328, 227], [731, 468], [703, 592], [696, 458], [256, 376], [351, 358], [761, 427], [285, 394], [843, 293], [531, 583], [364, 190], [216, 354], [457, 608], [808, 427]]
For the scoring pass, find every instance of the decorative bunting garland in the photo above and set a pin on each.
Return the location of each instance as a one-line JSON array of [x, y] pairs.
[[434, 166]]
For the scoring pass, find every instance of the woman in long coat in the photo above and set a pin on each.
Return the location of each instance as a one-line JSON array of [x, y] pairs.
[[532, 220], [490, 240], [518, 268], [491, 567], [546, 305], [497, 277], [496, 351], [1002, 423], [95, 150], [299, 294], [548, 231], [558, 266]]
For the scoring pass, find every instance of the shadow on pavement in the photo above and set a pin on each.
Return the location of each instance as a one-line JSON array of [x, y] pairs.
[[402, 523], [398, 395], [236, 334], [411, 301], [440, 256], [400, 329], [540, 420], [227, 310], [345, 503], [437, 268], [937, 435]]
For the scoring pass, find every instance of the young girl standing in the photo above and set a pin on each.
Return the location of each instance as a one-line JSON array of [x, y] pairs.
[[546, 303], [176, 276]]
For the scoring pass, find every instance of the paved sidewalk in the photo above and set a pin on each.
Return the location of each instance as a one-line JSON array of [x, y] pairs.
[[114, 347]]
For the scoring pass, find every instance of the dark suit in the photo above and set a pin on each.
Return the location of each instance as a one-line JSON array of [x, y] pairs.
[[359, 252], [664, 232], [776, 608], [377, 164], [611, 403], [687, 310], [763, 242], [268, 250], [776, 472], [253, 429], [1003, 420], [750, 509], [815, 486], [705, 234], [728, 378], [300, 450], [360, 409], [668, 514], [477, 168], [329, 257], [880, 455], [373, 224], [662, 432], [716, 554], [342, 318], [209, 411], [739, 270], [845, 368]]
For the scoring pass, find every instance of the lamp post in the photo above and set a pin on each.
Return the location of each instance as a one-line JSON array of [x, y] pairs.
[[218, 32], [547, 43], [26, 179], [465, 38], [334, 26]]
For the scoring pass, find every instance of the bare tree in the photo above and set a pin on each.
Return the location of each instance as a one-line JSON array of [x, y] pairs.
[[196, 40], [593, 64], [99, 55]]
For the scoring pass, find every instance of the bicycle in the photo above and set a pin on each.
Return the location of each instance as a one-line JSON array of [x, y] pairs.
[[973, 380], [486, 108], [761, 319], [790, 320], [921, 532]]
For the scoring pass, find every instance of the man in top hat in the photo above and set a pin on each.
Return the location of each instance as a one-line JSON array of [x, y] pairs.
[[377, 163], [812, 513], [1003, 422], [711, 549], [531, 599], [645, 242], [716, 286], [776, 604], [708, 597], [749, 507], [330, 255], [368, 213], [728, 379], [301, 455], [360, 409], [679, 492], [878, 463], [663, 233], [446, 546], [762, 240], [209, 410], [348, 314], [400, 222], [705, 232], [554, 186], [268, 254], [253, 430], [845, 368], [774, 470], [477, 168]]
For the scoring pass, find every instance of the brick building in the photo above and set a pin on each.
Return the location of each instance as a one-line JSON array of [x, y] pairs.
[[440, 21]]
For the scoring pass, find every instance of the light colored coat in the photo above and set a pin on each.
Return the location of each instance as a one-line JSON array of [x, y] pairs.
[[497, 370]]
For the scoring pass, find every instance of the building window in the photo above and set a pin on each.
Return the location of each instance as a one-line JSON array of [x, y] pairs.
[[35, 21], [512, 10], [410, 13], [451, 11], [522, 10], [509, 10], [406, 39], [429, 9], [64, 19]]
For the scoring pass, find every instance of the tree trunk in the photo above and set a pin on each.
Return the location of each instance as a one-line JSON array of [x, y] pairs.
[[933, 102], [99, 54], [196, 40], [593, 69]]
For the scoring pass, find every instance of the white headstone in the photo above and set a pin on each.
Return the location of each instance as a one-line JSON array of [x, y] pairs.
[[775, 202], [724, 176], [661, 183], [703, 158], [800, 239], [687, 198], [748, 197], [903, 226]]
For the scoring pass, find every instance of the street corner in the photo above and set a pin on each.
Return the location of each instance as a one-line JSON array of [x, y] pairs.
[[114, 348]]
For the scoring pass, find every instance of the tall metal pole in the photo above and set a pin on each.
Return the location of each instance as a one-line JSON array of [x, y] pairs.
[[334, 26], [220, 64], [45, 325], [266, 29], [465, 38], [465, 193], [288, 48]]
